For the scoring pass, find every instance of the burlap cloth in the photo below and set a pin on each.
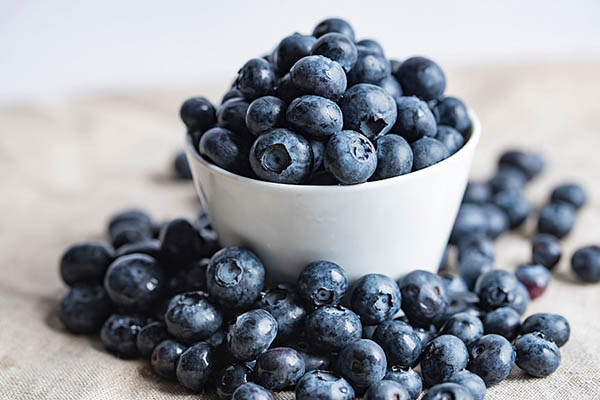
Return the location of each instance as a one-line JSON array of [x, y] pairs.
[[65, 167]]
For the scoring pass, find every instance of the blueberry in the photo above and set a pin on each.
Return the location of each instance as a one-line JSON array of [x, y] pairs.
[[85, 308], [336, 47], [362, 363], [150, 247], [556, 219], [181, 242], [230, 378], [332, 327], [315, 116], [291, 49], [442, 357], [350, 157], [191, 317], [226, 150], [85, 262], [453, 112], [536, 355], [368, 109], [497, 220], [476, 245], [477, 192], [408, 378], [323, 385], [195, 366], [507, 179], [281, 156], [232, 94], [286, 89], [414, 119], [129, 226], [386, 389], [391, 86], [535, 277], [492, 358], [464, 326], [320, 76], [375, 298], [571, 193], [448, 390], [424, 297], [471, 381], [504, 321], [334, 25], [235, 277], [231, 115], [546, 250], [198, 114], [164, 358], [472, 266], [191, 278], [530, 164], [251, 334], [279, 368], [264, 114], [401, 344], [285, 306], [427, 152], [119, 333], [322, 283], [370, 67], [585, 262], [318, 149], [422, 77], [554, 327], [251, 391], [516, 207], [312, 360], [149, 337], [371, 44], [394, 156], [256, 78], [450, 137], [497, 288]]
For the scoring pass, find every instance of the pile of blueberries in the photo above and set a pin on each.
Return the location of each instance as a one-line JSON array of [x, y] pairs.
[[324, 109]]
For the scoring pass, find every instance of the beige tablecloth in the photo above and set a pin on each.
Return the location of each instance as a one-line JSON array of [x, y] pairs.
[[66, 166]]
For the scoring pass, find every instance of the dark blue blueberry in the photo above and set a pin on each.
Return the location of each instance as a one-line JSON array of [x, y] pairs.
[[571, 193], [279, 368], [401, 344], [394, 156], [546, 250], [472, 267], [368, 109], [149, 337], [129, 226], [507, 179], [231, 115], [492, 358], [448, 390], [320, 76], [497, 220], [286, 90], [191, 278], [422, 77], [284, 304], [504, 321], [414, 119], [536, 355], [585, 262], [450, 137], [323, 385], [198, 114], [226, 149], [251, 391], [251, 334], [195, 366], [453, 112], [454, 284], [442, 358], [471, 381], [315, 116], [134, 282], [476, 245], [256, 78], [497, 288], [164, 358], [334, 25], [281, 156], [386, 390], [535, 278], [427, 152], [391, 86], [554, 327], [530, 164], [556, 219], [313, 360], [318, 149], [85, 308], [336, 47], [516, 207], [350, 157], [370, 67], [191, 317], [408, 378], [181, 242], [371, 44], [149, 247], [119, 333], [331, 328], [477, 192], [322, 283], [464, 326], [362, 363], [291, 49], [130, 216], [230, 378], [85, 262], [264, 114], [375, 298], [424, 297], [232, 94]]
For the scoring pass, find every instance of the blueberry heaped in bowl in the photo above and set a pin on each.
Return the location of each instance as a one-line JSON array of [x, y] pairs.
[[324, 89]]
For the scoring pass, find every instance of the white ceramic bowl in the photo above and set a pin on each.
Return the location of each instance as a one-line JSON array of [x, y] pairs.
[[390, 226]]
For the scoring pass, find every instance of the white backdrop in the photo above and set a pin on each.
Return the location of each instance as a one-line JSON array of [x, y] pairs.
[[59, 48]]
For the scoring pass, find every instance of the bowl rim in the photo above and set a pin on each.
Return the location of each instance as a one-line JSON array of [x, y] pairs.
[[473, 139]]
